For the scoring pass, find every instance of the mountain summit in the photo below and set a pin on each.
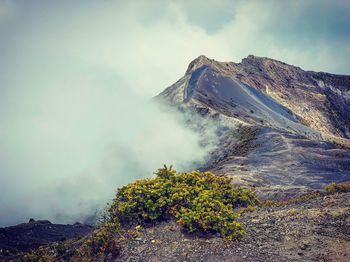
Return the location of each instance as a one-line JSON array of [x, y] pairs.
[[319, 100], [287, 130]]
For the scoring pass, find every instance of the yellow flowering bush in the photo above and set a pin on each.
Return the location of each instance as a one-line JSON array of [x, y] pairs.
[[200, 201]]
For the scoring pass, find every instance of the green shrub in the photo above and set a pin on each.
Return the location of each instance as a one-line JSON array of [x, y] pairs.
[[208, 214], [338, 187], [102, 241], [39, 255], [200, 201]]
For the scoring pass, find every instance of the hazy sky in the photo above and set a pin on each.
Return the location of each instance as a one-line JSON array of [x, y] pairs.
[[76, 78], [148, 44]]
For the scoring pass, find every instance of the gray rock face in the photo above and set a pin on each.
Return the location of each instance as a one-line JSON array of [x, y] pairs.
[[282, 129], [318, 100]]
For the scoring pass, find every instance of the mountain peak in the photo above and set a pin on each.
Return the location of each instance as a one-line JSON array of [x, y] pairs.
[[250, 61], [260, 62], [205, 61], [312, 96], [202, 57], [198, 62], [253, 59]]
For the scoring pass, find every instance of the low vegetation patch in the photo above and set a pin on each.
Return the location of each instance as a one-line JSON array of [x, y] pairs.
[[246, 136], [295, 200], [330, 189], [102, 242], [338, 187], [199, 201]]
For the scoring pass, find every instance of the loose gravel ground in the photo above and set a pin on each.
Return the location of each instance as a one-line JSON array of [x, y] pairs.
[[315, 230]]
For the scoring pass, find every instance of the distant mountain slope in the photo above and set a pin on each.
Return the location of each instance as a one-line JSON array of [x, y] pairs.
[[31, 235], [285, 128]]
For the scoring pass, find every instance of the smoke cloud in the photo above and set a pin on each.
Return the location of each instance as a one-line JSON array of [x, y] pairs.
[[69, 144], [76, 121]]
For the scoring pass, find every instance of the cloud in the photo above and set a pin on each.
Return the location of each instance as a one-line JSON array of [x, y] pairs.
[[7, 10], [70, 143], [211, 16]]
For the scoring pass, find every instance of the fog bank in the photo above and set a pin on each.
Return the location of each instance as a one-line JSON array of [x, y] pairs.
[[66, 147]]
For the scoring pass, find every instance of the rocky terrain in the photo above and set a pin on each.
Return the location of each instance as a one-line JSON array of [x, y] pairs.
[[278, 129], [314, 230]]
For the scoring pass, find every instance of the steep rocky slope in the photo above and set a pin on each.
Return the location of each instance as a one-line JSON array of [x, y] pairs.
[[283, 130], [320, 100]]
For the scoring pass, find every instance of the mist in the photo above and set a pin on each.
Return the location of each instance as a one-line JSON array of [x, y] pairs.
[[74, 127], [68, 145]]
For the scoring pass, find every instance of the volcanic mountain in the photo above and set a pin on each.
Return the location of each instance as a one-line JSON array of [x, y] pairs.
[[280, 129], [272, 127]]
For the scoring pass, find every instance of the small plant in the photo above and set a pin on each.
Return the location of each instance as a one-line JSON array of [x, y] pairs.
[[338, 187], [102, 242], [200, 201], [39, 255]]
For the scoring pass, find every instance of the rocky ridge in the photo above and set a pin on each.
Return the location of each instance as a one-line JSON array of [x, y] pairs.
[[294, 135], [320, 100]]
